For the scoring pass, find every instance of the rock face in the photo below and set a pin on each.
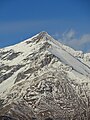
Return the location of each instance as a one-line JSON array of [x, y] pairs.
[[41, 79]]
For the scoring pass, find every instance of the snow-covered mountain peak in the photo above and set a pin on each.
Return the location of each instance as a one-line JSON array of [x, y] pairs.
[[45, 77], [40, 37], [43, 33]]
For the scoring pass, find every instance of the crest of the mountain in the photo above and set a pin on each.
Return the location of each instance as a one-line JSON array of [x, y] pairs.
[[42, 79]]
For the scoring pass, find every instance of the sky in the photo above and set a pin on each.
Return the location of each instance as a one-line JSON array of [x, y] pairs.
[[66, 20]]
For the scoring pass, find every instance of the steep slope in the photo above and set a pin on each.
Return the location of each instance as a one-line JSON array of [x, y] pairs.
[[42, 79]]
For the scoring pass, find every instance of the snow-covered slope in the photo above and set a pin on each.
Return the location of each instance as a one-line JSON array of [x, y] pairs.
[[46, 77]]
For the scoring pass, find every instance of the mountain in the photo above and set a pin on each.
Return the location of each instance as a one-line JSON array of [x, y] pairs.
[[42, 79]]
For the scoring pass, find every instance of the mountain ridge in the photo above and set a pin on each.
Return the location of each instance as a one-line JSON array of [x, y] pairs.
[[46, 78]]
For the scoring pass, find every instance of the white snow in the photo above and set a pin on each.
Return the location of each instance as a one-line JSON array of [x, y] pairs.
[[80, 68]]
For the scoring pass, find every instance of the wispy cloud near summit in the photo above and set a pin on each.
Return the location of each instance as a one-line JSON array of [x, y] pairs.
[[70, 38]]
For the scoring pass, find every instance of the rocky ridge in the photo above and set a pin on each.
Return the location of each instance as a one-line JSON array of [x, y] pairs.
[[41, 79]]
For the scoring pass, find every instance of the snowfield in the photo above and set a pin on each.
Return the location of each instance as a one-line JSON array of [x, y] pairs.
[[46, 78]]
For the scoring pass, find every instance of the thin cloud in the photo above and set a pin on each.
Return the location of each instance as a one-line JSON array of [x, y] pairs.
[[69, 35], [10, 27], [81, 44], [17, 25], [85, 39], [69, 38]]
